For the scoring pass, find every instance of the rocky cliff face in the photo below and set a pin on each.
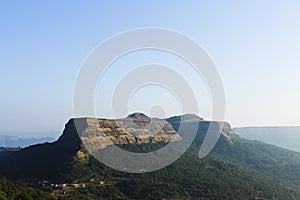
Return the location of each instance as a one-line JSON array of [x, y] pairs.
[[137, 128]]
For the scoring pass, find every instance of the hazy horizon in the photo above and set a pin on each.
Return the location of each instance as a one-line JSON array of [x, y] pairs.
[[56, 133]]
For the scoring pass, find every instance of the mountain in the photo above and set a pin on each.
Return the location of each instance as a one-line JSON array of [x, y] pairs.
[[285, 137], [235, 169], [13, 141]]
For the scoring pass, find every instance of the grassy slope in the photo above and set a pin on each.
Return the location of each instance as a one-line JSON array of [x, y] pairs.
[[244, 170]]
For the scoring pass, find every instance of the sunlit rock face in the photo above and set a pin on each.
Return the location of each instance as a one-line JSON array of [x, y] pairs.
[[136, 128]]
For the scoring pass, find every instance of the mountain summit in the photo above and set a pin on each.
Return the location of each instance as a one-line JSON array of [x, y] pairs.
[[138, 115]]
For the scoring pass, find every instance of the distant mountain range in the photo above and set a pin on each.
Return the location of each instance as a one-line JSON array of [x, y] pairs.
[[13, 141], [285, 137], [236, 168]]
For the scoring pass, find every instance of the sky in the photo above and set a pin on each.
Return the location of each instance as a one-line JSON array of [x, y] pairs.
[[255, 46]]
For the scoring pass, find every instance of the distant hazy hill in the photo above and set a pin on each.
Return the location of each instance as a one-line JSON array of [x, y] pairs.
[[235, 169], [12, 141], [285, 137]]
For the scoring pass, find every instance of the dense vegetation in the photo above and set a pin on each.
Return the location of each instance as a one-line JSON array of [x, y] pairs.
[[11, 191], [244, 170]]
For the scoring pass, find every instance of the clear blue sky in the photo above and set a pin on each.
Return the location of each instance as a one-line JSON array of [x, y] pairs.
[[255, 45]]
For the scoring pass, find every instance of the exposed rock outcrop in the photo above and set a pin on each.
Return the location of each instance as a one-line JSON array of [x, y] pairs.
[[137, 128]]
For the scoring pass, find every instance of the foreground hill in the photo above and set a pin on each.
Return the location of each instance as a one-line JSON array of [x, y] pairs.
[[235, 169]]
